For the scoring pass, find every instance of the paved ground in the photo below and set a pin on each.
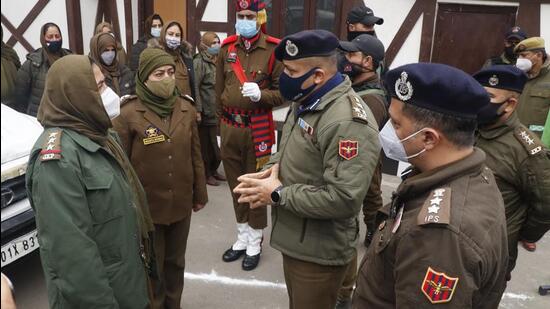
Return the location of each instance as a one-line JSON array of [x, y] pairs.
[[211, 283]]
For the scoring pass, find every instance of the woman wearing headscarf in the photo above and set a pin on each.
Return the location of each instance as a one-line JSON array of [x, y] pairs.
[[105, 27], [10, 65], [117, 76], [91, 212], [31, 78], [171, 39], [152, 28], [204, 64], [159, 133]]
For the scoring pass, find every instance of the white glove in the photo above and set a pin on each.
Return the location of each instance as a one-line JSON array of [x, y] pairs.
[[252, 91]]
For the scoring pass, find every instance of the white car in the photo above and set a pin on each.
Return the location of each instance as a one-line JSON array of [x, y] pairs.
[[19, 133]]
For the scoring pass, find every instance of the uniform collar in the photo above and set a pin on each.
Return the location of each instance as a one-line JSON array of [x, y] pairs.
[[82, 140], [502, 129], [371, 83], [420, 183], [259, 41]]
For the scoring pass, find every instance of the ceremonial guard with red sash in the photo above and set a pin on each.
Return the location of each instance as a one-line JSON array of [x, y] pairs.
[[247, 82]]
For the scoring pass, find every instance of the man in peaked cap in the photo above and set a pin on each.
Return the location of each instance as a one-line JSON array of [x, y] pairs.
[[312, 183], [534, 102], [245, 100], [361, 20], [512, 37], [445, 224], [519, 160]]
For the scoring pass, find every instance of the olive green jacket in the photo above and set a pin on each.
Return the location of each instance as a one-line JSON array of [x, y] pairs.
[[534, 102], [205, 75], [521, 164], [327, 157], [86, 225]]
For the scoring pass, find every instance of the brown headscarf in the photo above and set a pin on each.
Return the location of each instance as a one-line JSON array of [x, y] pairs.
[[98, 44], [52, 57], [71, 100], [120, 52], [207, 40]]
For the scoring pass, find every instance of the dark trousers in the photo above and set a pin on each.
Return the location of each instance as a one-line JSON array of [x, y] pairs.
[[310, 285], [170, 246], [239, 157], [209, 149]]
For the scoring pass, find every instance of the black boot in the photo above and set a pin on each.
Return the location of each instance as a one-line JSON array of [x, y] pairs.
[[231, 255], [251, 261]]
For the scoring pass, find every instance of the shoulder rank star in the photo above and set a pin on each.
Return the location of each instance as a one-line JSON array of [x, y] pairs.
[[438, 287], [348, 149]]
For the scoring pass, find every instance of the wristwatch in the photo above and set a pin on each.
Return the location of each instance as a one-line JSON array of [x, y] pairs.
[[276, 196]]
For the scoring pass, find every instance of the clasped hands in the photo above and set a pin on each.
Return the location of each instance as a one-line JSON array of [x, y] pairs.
[[256, 188]]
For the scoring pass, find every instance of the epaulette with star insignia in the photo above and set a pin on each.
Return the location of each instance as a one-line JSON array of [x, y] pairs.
[[127, 98], [51, 150], [530, 142], [358, 111], [437, 208]]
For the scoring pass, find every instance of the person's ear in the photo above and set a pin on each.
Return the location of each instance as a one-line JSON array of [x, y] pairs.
[[431, 138], [319, 76], [368, 62], [511, 105]]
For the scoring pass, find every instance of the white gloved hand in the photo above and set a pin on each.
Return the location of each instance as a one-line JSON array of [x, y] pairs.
[[252, 91]]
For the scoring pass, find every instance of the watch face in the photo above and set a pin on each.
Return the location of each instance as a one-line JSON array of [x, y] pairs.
[[275, 196]]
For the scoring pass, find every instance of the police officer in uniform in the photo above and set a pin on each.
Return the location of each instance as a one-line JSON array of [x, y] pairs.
[[361, 20], [159, 132], [519, 160], [360, 60], [327, 156], [534, 102], [247, 82], [442, 239], [508, 56]]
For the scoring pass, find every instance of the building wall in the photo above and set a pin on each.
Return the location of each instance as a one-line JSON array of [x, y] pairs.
[[56, 12]]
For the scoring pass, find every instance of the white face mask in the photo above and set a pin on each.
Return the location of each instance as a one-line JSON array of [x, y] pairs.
[[108, 57], [393, 146], [524, 64], [111, 102]]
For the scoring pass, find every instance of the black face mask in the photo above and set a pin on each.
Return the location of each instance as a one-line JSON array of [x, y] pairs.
[[353, 34], [489, 115], [509, 52]]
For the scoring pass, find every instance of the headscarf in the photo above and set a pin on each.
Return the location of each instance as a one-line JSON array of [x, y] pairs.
[[150, 60], [149, 23], [99, 44], [120, 52], [8, 53], [52, 57], [162, 40], [71, 100], [207, 40]]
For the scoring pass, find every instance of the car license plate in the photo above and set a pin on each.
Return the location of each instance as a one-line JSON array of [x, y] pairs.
[[19, 247]]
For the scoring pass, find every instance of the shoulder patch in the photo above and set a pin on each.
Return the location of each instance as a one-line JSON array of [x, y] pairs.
[[358, 111], [230, 39], [188, 98], [438, 287], [273, 40], [51, 150], [437, 208], [530, 142], [127, 98]]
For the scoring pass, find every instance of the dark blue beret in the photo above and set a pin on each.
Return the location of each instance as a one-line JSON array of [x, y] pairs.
[[307, 43], [506, 77], [437, 87]]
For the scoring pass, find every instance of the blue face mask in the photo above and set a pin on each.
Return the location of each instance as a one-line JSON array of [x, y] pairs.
[[108, 57], [214, 50], [172, 42], [246, 28], [291, 88], [155, 32]]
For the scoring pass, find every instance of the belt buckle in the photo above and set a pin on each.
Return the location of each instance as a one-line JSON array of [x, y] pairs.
[[238, 119]]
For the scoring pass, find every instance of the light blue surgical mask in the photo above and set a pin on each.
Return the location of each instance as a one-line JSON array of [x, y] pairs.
[[246, 28], [172, 42], [108, 57], [155, 32], [214, 49], [393, 146]]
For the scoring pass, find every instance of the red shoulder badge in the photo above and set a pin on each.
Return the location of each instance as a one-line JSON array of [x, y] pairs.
[[348, 149], [438, 287], [273, 40], [230, 39]]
